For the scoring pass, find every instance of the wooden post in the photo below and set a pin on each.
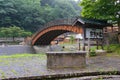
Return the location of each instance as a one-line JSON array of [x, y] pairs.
[[112, 28], [102, 44], [83, 39], [96, 40], [88, 44], [79, 43], [97, 43], [102, 40]]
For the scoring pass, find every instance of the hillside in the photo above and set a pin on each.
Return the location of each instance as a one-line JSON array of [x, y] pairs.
[[32, 14]]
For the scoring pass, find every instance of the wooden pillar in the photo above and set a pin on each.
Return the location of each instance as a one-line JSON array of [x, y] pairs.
[[112, 28], [79, 43], [119, 27], [88, 44], [97, 43], [102, 44], [83, 34]]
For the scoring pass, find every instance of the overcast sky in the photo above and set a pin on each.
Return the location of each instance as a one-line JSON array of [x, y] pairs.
[[76, 0]]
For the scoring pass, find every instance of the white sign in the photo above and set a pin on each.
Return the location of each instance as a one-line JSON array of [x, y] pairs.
[[94, 33], [79, 36]]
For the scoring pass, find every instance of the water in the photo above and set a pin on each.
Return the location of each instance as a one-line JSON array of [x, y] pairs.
[[14, 49]]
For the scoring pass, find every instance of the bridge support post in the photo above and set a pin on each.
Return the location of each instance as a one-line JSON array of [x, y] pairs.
[[83, 34]]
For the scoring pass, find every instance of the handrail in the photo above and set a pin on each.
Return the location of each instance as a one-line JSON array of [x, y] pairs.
[[56, 23]]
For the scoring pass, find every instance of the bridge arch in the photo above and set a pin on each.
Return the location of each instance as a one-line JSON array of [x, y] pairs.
[[45, 36], [55, 28]]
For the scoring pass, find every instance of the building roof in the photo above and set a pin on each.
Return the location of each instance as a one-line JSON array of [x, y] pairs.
[[86, 21]]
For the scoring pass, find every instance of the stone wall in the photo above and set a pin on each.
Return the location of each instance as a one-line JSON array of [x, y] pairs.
[[66, 59]]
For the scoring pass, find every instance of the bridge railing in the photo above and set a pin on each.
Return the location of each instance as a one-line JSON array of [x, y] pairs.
[[56, 23], [60, 22]]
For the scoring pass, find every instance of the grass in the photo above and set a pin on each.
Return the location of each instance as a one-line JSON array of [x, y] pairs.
[[2, 74], [114, 48], [8, 59], [113, 54], [22, 55]]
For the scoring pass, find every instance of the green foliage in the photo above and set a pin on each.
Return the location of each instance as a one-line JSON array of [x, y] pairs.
[[41, 55], [13, 32], [93, 48], [114, 48], [33, 14], [92, 53], [72, 39], [100, 9]]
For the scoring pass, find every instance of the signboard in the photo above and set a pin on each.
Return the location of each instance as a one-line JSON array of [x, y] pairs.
[[94, 33]]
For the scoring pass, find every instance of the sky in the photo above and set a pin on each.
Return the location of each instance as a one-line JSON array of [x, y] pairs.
[[76, 0]]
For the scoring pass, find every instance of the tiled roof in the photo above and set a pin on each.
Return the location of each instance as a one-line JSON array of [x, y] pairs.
[[93, 21]]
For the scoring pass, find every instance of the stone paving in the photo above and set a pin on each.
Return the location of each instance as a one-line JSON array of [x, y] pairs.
[[36, 66]]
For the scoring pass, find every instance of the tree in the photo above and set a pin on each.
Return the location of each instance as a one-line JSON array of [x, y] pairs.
[[102, 9], [7, 12], [33, 14], [29, 14], [25, 33], [72, 38], [13, 32], [4, 32]]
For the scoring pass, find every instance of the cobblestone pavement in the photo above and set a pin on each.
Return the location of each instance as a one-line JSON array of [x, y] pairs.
[[36, 66]]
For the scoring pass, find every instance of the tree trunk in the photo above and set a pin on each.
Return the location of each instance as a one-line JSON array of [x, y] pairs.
[[13, 39], [119, 32], [119, 37]]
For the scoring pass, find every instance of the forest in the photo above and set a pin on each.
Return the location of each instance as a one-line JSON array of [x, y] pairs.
[[30, 15]]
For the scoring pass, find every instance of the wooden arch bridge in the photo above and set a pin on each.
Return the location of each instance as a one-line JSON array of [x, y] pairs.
[[55, 28]]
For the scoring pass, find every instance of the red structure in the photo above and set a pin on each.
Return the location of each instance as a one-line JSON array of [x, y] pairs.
[[55, 28]]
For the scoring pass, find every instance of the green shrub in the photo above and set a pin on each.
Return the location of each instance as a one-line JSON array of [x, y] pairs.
[[113, 48], [92, 53]]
